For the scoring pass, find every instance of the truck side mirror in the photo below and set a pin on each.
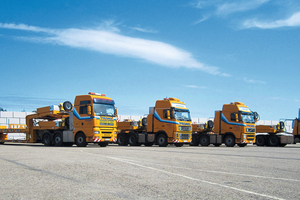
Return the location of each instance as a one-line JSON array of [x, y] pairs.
[[168, 114], [116, 112], [89, 110]]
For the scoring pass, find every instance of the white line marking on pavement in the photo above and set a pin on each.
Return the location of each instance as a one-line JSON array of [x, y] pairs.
[[220, 172], [194, 179]]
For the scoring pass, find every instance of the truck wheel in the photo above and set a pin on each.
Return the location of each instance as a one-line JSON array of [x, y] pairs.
[[132, 140], [296, 140], [103, 144], [178, 144], [122, 139], [80, 140], [229, 141], [195, 141], [47, 139], [273, 141], [58, 139], [162, 140], [204, 140], [260, 141]]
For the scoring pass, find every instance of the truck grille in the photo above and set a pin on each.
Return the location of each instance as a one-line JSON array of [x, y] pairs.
[[184, 136], [184, 128]]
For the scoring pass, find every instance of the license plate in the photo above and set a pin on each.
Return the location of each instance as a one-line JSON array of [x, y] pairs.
[[184, 140], [106, 139]]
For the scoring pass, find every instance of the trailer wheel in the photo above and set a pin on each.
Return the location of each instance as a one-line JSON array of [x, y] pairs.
[[204, 140], [47, 139], [273, 141], [122, 139], [229, 141], [260, 140], [80, 140], [132, 140], [103, 144], [58, 141], [195, 140], [178, 144], [162, 140]]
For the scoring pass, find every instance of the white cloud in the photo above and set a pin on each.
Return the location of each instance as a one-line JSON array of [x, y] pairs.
[[240, 6], [201, 20], [113, 43], [145, 30], [254, 81], [196, 87], [292, 21]]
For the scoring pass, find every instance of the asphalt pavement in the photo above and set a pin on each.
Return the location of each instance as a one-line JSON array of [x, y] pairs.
[[34, 171]]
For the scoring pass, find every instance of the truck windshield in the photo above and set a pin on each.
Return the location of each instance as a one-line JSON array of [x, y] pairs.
[[247, 117], [101, 109], [182, 115]]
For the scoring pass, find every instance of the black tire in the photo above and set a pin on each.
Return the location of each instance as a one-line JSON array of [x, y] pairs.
[[195, 140], [162, 140], [242, 145], [122, 139], [80, 140], [47, 140], [229, 141], [67, 105], [260, 141], [204, 140], [273, 141], [296, 140], [132, 140], [178, 144], [103, 144], [58, 140]]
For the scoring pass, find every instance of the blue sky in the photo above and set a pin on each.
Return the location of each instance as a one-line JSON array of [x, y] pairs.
[[206, 53]]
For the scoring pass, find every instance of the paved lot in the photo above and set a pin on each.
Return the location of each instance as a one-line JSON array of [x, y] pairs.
[[33, 171]]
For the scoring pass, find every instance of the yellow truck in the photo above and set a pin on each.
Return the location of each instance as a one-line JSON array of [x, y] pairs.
[[169, 122], [92, 119], [234, 124], [273, 135]]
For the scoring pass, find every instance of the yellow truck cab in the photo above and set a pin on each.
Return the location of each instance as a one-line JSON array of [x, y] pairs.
[[169, 122], [236, 124], [94, 119]]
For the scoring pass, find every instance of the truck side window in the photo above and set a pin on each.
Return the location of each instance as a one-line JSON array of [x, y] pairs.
[[83, 109], [232, 116], [165, 115]]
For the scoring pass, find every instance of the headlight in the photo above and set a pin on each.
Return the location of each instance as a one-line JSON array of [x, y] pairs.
[[96, 132]]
